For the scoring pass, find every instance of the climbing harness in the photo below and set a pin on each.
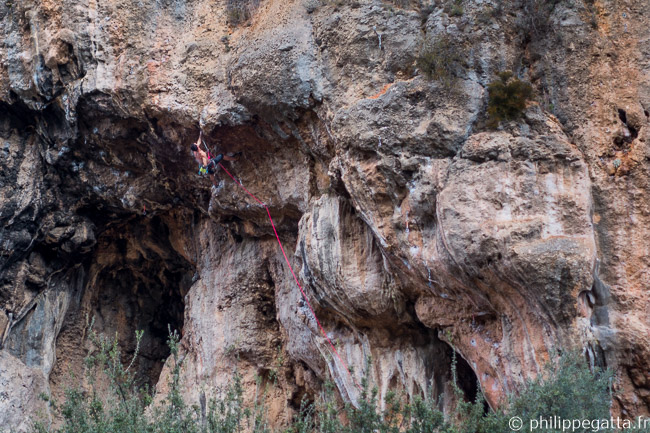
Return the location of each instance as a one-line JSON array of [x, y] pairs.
[[304, 296], [205, 169]]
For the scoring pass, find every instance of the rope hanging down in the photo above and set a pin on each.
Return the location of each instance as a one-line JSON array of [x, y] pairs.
[[304, 296]]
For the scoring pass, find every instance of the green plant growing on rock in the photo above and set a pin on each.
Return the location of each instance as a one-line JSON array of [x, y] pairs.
[[365, 418], [226, 43], [407, 4], [507, 98], [535, 20], [441, 60], [122, 408], [327, 411], [454, 8], [567, 389], [119, 409], [240, 11]]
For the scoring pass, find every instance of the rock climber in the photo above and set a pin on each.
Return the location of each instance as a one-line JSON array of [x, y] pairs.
[[207, 164]]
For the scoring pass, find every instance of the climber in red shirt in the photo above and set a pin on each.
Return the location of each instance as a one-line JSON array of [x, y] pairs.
[[207, 164]]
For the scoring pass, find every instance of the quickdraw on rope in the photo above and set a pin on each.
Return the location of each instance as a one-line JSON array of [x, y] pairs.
[[304, 296]]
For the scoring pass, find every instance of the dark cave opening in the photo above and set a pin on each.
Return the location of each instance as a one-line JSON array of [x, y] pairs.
[[468, 381], [136, 281], [140, 285]]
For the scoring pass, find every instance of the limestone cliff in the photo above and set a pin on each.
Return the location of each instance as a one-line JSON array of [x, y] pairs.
[[412, 226]]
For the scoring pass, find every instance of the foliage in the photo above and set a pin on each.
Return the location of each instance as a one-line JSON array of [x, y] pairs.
[[489, 14], [441, 60], [568, 389], [123, 407], [535, 21], [327, 411], [240, 11], [507, 98], [456, 9], [91, 412], [407, 4]]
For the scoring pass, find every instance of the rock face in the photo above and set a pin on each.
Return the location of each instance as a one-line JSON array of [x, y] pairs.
[[413, 228]]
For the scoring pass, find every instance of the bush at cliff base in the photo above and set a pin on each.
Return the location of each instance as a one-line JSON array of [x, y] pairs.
[[567, 389]]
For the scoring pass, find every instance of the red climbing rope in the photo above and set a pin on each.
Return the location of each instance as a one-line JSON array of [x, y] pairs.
[[304, 296]]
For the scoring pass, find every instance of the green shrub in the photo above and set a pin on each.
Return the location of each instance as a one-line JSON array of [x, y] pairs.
[[407, 4], [535, 20], [327, 413], [457, 11], [123, 407], [240, 11], [507, 98], [454, 8], [489, 14], [119, 410], [567, 389], [441, 60]]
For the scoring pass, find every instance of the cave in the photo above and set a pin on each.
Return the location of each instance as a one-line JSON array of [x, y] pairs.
[[135, 281], [467, 380]]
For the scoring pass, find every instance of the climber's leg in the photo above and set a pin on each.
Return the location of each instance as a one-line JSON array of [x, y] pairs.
[[232, 156], [216, 160]]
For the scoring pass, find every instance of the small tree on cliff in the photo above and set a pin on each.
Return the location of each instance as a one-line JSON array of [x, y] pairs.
[[507, 98], [441, 60]]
